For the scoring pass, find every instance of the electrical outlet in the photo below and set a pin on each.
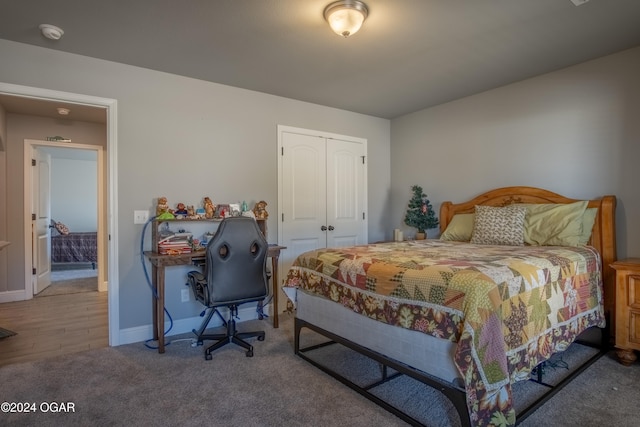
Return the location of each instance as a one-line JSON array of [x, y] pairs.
[[185, 295], [140, 217]]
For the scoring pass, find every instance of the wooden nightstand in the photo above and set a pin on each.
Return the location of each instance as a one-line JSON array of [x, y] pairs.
[[627, 309]]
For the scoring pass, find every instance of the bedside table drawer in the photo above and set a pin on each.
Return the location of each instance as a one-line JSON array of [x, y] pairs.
[[634, 327], [627, 309], [633, 297]]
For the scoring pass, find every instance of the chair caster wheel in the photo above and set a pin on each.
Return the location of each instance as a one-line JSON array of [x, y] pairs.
[[208, 357], [260, 337], [200, 343], [249, 353]]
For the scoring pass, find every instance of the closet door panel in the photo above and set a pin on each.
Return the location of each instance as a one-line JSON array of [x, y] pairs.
[[304, 211], [345, 193]]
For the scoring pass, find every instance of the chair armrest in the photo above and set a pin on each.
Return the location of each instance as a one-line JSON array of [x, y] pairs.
[[198, 284], [197, 276]]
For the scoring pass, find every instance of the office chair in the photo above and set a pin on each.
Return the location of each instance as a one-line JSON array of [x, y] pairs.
[[234, 274]]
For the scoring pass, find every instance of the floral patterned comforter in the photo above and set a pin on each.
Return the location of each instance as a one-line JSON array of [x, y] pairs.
[[507, 308]]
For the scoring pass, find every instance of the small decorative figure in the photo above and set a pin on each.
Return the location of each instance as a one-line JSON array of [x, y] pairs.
[[191, 212], [181, 209], [162, 206], [209, 208], [162, 209], [260, 210]]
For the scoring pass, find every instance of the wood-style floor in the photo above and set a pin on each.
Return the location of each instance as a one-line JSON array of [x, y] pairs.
[[53, 325]]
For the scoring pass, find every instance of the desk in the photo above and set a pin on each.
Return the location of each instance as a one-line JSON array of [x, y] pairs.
[[158, 264]]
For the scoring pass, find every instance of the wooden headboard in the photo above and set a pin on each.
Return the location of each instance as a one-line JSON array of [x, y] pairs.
[[603, 236]]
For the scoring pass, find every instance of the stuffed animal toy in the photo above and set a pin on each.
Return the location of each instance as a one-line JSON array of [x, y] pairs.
[[209, 208], [260, 210], [162, 209]]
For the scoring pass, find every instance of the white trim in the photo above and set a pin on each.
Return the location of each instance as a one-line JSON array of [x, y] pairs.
[[29, 145], [183, 326], [112, 187], [11, 296]]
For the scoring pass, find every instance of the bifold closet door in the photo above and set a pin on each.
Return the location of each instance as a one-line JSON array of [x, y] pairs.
[[304, 194], [322, 194], [346, 221]]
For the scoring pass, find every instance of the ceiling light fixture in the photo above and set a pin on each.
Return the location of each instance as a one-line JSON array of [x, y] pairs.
[[345, 17], [63, 111], [51, 31]]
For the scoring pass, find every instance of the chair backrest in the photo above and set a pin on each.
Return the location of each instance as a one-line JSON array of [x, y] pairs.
[[236, 260]]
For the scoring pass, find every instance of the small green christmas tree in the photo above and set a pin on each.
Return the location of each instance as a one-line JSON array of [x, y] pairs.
[[420, 213]]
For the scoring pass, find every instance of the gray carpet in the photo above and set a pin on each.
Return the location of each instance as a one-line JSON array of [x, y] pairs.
[[133, 385]]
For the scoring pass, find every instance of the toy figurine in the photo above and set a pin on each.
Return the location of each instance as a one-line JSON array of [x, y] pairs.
[[209, 208], [162, 209], [181, 209], [162, 206], [260, 210], [191, 212]]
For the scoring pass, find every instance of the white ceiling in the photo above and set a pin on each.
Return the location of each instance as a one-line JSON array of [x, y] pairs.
[[409, 54]]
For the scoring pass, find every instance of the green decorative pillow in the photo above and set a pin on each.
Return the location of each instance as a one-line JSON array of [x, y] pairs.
[[554, 224], [460, 228], [588, 220], [499, 225]]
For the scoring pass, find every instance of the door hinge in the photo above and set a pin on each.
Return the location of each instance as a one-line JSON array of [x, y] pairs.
[[363, 160], [362, 215], [33, 162], [33, 217], [282, 217], [33, 271], [282, 151]]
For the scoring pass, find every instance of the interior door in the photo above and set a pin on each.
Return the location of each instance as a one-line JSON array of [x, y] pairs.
[[346, 194], [41, 208], [303, 198], [322, 193]]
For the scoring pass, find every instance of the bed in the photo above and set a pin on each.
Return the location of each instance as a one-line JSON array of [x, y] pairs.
[[468, 318], [81, 247]]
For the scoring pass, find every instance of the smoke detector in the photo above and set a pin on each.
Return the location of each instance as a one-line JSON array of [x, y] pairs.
[[51, 31]]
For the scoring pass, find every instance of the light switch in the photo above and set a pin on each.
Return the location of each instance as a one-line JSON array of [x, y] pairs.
[[140, 217]]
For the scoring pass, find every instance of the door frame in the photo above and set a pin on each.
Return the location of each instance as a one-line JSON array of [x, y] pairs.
[[29, 145], [110, 177]]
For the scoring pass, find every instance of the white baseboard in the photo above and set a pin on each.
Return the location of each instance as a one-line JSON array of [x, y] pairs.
[[181, 326], [11, 296]]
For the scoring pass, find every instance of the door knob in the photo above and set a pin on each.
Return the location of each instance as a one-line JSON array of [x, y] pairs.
[[331, 228], [323, 228]]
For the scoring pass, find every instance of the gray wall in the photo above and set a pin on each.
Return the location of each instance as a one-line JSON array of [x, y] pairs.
[[184, 139], [74, 193], [575, 132], [19, 128]]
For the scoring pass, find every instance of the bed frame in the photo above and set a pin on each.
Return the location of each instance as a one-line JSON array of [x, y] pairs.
[[603, 239], [603, 235]]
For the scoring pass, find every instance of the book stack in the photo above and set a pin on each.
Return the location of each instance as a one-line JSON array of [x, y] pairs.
[[175, 244]]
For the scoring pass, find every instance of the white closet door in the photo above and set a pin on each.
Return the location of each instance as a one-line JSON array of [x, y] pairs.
[[304, 211], [322, 194], [346, 221]]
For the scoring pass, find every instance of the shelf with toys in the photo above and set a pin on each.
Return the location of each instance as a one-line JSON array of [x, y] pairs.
[[165, 241]]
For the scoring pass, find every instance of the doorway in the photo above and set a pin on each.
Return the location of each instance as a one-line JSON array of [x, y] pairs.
[[68, 203], [108, 193]]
